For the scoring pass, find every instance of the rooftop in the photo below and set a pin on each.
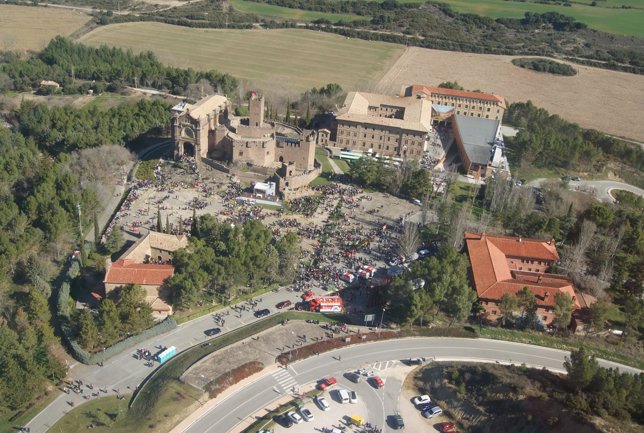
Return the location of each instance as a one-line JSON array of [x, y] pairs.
[[155, 241], [125, 271], [417, 111], [477, 135], [493, 276], [435, 90], [203, 107]]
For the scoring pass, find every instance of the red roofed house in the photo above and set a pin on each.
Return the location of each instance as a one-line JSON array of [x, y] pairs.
[[475, 104], [503, 264], [145, 264]]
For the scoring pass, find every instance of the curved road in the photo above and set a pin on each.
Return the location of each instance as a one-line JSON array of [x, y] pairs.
[[601, 189], [261, 392]]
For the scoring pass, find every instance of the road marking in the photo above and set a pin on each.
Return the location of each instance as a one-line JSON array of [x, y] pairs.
[[284, 379]]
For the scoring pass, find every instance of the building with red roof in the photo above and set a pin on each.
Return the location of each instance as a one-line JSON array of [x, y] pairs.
[[503, 264]]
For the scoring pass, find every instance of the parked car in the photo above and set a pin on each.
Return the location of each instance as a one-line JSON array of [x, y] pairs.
[[284, 420], [397, 422], [421, 399], [283, 304], [262, 313], [353, 377], [432, 412], [343, 396], [447, 427], [327, 382], [353, 397], [414, 361], [425, 406], [295, 417], [306, 414], [376, 382], [212, 331], [423, 253], [322, 403]]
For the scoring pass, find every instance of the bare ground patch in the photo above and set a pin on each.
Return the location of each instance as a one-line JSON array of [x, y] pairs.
[[610, 101]]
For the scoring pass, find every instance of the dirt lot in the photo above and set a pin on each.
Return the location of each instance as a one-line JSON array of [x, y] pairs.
[[263, 348], [612, 102], [30, 28]]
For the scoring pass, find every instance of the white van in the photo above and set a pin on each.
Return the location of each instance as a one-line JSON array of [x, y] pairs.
[[343, 394]]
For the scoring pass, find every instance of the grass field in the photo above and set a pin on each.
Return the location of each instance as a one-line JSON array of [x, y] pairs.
[[609, 101], [31, 28], [266, 10], [609, 19], [289, 60]]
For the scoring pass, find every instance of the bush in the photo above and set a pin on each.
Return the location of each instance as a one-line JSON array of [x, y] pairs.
[[545, 65]]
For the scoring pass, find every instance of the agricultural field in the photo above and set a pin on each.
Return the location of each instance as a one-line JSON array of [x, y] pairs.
[[610, 101], [287, 60], [25, 28], [606, 16], [271, 11]]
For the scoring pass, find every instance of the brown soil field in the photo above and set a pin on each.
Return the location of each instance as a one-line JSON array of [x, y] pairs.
[[31, 28], [609, 101]]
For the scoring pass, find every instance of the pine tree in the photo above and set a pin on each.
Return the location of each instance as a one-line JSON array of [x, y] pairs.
[[87, 330], [109, 321], [287, 118], [167, 223], [97, 233], [180, 229], [308, 114], [159, 227]]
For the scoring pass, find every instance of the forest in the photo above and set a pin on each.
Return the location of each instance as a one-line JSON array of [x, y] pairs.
[[546, 140], [223, 260], [69, 63]]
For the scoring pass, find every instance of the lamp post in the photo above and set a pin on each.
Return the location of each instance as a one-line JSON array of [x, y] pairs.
[[381, 317]]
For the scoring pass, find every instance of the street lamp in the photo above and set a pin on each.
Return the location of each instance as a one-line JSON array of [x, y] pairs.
[[381, 317]]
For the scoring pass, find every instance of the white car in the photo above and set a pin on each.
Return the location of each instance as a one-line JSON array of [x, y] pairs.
[[295, 417], [353, 397], [432, 412], [343, 396], [322, 403], [306, 414], [421, 399]]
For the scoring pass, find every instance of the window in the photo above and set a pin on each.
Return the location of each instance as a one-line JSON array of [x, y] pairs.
[[545, 318], [493, 311]]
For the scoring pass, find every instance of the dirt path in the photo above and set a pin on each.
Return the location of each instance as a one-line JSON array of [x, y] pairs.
[[610, 101]]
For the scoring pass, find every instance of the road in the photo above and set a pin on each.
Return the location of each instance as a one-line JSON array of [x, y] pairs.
[[601, 189], [258, 394]]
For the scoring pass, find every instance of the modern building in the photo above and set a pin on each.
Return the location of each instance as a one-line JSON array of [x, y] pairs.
[[146, 263], [480, 145], [464, 102], [207, 129], [502, 264], [383, 125]]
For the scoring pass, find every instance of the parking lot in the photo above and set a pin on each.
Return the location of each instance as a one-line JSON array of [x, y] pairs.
[[375, 406]]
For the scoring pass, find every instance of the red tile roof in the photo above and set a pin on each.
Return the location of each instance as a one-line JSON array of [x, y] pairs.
[[492, 274], [128, 272], [428, 90]]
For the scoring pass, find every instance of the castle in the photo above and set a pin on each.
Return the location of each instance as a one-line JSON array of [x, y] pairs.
[[207, 130]]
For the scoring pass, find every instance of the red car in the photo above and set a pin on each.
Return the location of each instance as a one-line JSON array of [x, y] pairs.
[[447, 427], [326, 383], [283, 304], [377, 382], [307, 295]]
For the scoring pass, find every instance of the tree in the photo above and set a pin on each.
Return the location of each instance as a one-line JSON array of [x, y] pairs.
[[87, 330], [450, 85], [459, 300], [581, 369], [115, 240], [564, 306], [528, 305], [159, 226], [110, 324], [134, 312], [599, 313], [508, 305], [97, 232], [421, 306], [409, 239]]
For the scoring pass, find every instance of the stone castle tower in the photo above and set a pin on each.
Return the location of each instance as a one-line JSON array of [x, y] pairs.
[[256, 110]]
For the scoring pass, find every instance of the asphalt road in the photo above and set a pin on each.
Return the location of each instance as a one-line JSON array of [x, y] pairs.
[[600, 188], [261, 392]]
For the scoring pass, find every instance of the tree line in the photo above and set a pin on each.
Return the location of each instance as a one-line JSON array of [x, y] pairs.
[[222, 259], [64, 129], [409, 179], [66, 62], [545, 65], [546, 140]]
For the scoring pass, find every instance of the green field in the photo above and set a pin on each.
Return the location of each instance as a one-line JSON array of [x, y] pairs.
[[609, 19], [282, 61], [266, 10]]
